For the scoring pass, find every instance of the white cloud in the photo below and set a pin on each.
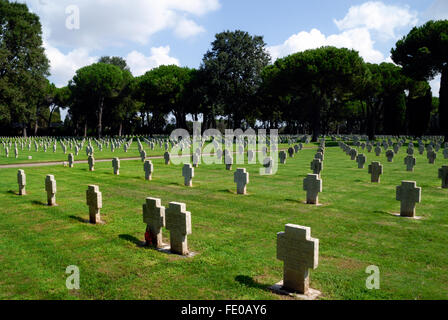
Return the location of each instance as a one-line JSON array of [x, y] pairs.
[[359, 29], [377, 16], [357, 39], [116, 22], [63, 66], [187, 28], [139, 63]]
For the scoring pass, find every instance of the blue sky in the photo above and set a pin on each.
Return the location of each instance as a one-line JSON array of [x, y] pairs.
[[148, 33]]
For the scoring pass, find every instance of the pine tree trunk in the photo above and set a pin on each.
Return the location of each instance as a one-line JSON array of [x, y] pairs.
[[443, 103]]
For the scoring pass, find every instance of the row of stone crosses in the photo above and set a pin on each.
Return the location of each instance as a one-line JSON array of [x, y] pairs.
[[295, 247], [408, 193]]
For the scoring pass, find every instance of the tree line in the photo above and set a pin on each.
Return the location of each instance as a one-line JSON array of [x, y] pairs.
[[319, 91]]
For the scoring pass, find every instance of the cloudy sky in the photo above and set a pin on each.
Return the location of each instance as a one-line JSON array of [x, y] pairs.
[[149, 33]]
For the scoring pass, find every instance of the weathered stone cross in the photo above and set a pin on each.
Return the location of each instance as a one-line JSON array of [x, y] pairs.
[[178, 222], [241, 178], [154, 217], [148, 168], [116, 166], [316, 166], [21, 180], [409, 161], [361, 160], [94, 200], [443, 174], [375, 170], [166, 156], [188, 174], [91, 161], [312, 184], [409, 194], [299, 252], [50, 188]]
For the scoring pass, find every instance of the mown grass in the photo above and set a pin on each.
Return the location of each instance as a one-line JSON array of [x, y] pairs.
[[234, 235]]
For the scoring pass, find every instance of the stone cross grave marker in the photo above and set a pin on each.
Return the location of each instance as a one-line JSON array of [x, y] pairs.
[[94, 200], [71, 160], [154, 217], [91, 161], [353, 153], [178, 222], [291, 152], [312, 184], [149, 169], [299, 253], [50, 188], [377, 151], [443, 174], [409, 161], [241, 178], [21, 180], [408, 194], [188, 174], [228, 159], [390, 155], [317, 166], [361, 160], [166, 156], [375, 170], [282, 157], [431, 155], [268, 164], [116, 166]]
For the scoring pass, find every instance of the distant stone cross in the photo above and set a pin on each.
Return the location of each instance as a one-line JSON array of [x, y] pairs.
[[91, 161], [21, 180], [390, 155], [178, 222], [316, 166], [409, 161], [94, 200], [375, 170], [282, 157], [241, 178], [50, 188], [228, 159], [443, 174], [148, 168], [71, 160], [188, 174], [445, 153], [154, 217], [377, 151], [312, 184], [431, 155], [291, 152], [267, 164], [409, 194], [361, 160], [353, 153], [299, 252], [116, 166], [166, 156]]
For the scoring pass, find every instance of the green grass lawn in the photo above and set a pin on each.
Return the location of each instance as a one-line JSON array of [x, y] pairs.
[[234, 235]]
